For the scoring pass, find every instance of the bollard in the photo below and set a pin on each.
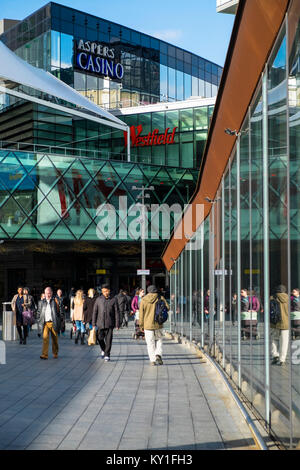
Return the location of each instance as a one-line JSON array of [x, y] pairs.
[[8, 328]]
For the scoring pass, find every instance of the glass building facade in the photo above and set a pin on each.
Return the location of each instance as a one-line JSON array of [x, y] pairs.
[[55, 197], [57, 169], [152, 70], [250, 241]]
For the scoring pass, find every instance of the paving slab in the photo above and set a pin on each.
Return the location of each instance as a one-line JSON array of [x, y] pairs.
[[81, 402]]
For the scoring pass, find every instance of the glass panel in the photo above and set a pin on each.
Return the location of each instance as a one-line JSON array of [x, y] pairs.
[[195, 88], [55, 49], [256, 275], [163, 83], [294, 135], [230, 302], [201, 120], [187, 155], [206, 292], [233, 272], [66, 51], [158, 121], [187, 86], [173, 155], [186, 120], [250, 305], [179, 85], [278, 229], [172, 84], [172, 119]]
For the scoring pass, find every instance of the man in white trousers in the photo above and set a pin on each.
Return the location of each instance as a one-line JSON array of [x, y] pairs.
[[280, 331], [153, 331]]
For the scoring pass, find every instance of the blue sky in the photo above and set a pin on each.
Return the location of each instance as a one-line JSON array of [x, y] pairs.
[[192, 24]]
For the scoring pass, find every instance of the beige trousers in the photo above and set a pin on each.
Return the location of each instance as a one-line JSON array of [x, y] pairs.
[[154, 343], [48, 329], [280, 340]]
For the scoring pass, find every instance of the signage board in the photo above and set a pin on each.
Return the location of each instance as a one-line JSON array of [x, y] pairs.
[[220, 272], [97, 58], [100, 271], [152, 139], [143, 272]]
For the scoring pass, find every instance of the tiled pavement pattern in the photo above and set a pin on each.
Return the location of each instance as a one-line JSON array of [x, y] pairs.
[[80, 402]]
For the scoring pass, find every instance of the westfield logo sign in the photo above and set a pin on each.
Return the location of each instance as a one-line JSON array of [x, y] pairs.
[[151, 139]]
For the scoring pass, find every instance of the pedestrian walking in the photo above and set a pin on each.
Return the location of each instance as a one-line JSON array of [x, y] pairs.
[[72, 294], [135, 301], [78, 317], [234, 309], [295, 313], [106, 318], [62, 309], [49, 320], [30, 309], [124, 308], [153, 331], [139, 294], [206, 305], [17, 306], [280, 331], [128, 307], [38, 309], [88, 307]]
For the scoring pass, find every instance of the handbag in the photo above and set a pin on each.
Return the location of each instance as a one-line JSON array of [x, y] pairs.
[[92, 337], [28, 317]]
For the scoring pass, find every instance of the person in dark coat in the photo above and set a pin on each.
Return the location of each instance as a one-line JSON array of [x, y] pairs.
[[17, 306], [106, 318], [88, 307], [128, 307], [124, 307], [63, 307]]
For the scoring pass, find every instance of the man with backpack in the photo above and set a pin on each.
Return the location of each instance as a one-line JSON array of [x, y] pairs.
[[152, 312], [279, 322]]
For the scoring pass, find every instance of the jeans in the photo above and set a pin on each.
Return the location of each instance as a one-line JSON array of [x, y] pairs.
[[80, 326]]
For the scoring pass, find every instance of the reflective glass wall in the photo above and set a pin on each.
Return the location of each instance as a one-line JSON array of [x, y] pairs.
[[249, 255], [154, 70], [54, 197]]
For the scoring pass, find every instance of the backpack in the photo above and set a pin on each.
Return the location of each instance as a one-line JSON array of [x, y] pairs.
[[161, 312], [275, 313]]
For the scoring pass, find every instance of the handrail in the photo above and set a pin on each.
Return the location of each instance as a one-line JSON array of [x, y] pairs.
[[58, 150], [84, 154]]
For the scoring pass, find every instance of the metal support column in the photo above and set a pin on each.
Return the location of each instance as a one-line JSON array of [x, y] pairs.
[[266, 241]]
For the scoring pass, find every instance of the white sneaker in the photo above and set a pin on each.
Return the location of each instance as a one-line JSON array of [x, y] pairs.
[[107, 359], [102, 355]]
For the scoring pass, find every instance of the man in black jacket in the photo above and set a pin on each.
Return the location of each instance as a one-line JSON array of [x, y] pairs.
[[106, 318]]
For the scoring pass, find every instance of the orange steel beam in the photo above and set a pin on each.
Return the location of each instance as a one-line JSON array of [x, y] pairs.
[[255, 30]]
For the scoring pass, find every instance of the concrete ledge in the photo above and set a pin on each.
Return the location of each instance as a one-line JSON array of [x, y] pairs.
[[193, 346]]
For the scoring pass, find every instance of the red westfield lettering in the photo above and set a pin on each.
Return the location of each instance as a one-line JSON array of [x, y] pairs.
[[151, 139]]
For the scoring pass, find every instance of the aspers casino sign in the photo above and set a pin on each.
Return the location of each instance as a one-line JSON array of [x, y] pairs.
[[151, 139], [95, 58]]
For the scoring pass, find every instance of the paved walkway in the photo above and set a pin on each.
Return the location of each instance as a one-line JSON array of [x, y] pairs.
[[80, 402]]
